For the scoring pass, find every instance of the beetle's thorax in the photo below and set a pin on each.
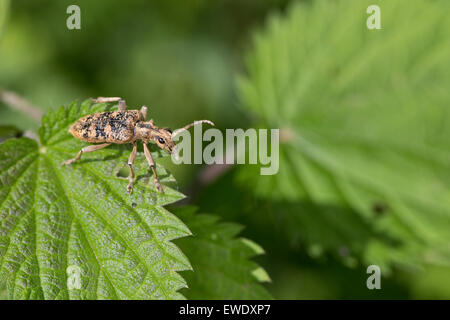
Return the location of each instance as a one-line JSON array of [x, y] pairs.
[[147, 131]]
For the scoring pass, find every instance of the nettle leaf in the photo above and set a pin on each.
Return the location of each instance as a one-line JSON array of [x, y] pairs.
[[220, 260], [73, 231], [363, 117]]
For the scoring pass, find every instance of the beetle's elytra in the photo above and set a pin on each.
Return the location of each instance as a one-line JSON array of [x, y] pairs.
[[124, 126], [112, 127]]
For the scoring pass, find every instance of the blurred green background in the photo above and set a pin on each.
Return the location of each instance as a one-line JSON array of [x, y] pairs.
[[311, 67]]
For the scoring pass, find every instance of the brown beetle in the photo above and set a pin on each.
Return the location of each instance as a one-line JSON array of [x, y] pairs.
[[124, 126]]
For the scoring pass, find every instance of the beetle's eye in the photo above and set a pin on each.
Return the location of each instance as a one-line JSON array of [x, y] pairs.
[[161, 140]]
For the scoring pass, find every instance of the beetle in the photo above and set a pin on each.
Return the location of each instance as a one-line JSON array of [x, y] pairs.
[[122, 127]]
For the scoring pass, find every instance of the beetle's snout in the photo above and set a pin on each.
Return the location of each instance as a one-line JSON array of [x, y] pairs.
[[171, 147]]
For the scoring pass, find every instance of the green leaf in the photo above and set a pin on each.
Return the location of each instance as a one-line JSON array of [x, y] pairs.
[[363, 117], [72, 232], [220, 260]]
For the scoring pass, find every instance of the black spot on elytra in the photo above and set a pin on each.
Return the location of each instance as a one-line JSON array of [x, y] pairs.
[[100, 131], [85, 125]]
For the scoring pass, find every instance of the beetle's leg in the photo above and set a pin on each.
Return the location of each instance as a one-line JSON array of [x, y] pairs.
[[90, 148], [130, 164], [151, 163], [122, 104], [143, 113]]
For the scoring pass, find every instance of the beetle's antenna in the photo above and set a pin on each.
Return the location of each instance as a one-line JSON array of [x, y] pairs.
[[190, 125], [106, 99]]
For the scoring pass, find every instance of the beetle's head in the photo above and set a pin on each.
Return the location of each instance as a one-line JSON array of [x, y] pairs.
[[161, 136]]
